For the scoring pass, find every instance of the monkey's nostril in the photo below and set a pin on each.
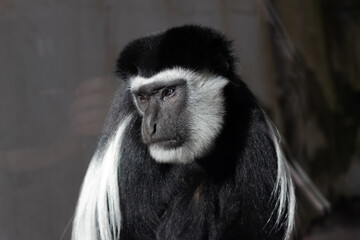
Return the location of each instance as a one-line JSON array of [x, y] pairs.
[[154, 130]]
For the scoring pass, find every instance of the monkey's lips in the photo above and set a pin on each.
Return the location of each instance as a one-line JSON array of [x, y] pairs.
[[166, 143]]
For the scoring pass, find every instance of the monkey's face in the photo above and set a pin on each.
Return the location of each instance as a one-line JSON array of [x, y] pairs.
[[163, 107], [182, 113]]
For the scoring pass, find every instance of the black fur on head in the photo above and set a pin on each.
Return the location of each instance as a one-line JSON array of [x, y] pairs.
[[190, 46]]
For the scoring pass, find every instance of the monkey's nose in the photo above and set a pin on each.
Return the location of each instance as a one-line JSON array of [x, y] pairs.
[[149, 129]]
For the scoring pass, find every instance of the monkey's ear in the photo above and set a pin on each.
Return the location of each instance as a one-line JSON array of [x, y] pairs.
[[219, 54], [126, 67], [221, 61], [127, 62], [219, 64]]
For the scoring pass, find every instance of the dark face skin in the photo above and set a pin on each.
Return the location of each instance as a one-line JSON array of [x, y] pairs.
[[164, 117]]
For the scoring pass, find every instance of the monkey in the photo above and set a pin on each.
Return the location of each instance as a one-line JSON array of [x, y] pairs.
[[186, 151]]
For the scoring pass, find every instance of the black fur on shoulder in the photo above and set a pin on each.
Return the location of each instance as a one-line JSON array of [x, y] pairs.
[[190, 46]]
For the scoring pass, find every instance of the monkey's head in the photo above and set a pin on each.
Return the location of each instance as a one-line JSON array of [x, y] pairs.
[[176, 79]]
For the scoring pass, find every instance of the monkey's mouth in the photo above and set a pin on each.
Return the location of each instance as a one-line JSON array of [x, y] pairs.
[[166, 143]]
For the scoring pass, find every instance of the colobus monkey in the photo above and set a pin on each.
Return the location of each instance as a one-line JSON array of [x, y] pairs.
[[186, 152]]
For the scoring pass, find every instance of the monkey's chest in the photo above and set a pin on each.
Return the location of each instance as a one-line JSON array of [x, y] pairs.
[[148, 192]]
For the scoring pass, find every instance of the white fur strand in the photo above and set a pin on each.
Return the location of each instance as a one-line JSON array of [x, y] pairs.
[[98, 210]]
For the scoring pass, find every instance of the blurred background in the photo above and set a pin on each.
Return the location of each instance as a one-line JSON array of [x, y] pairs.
[[301, 58]]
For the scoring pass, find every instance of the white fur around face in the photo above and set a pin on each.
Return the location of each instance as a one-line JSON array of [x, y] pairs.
[[205, 108]]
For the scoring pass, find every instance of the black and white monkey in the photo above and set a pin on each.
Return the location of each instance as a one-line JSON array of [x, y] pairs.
[[186, 152]]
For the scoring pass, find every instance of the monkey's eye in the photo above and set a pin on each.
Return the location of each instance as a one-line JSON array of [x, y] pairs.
[[168, 92], [143, 98]]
